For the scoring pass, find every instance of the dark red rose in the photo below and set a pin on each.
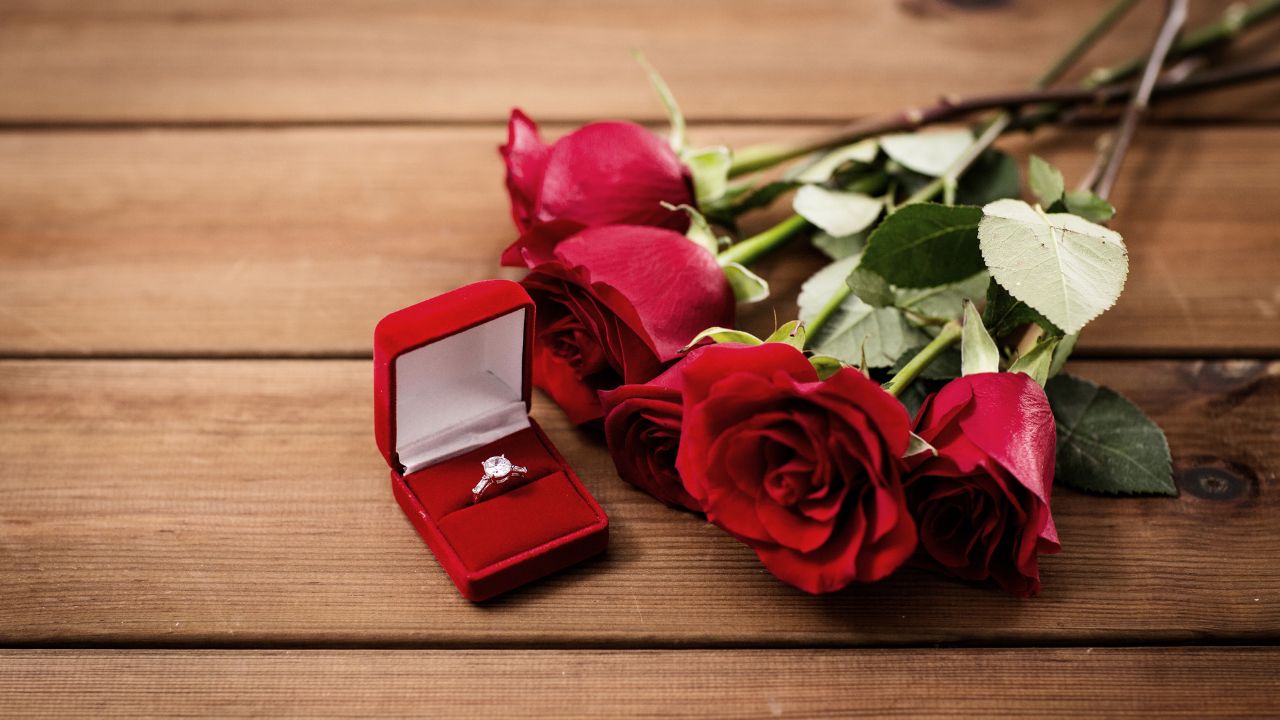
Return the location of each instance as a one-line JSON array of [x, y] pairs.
[[614, 305], [982, 504], [604, 173], [642, 427], [806, 472]]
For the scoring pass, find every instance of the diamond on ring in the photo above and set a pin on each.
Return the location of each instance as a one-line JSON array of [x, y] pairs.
[[497, 471]]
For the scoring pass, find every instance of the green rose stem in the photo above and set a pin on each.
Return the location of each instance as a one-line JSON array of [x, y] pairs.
[[945, 339], [1175, 17], [1235, 21], [761, 244]]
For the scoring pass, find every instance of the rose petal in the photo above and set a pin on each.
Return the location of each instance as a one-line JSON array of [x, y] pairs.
[[790, 529], [745, 362], [642, 428], [667, 288], [614, 173], [526, 159], [1015, 427]]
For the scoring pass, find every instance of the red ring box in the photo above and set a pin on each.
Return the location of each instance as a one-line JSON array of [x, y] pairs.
[[451, 385]]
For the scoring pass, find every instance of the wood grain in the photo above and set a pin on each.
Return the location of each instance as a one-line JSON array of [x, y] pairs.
[[354, 60], [295, 242], [242, 504], [1118, 683]]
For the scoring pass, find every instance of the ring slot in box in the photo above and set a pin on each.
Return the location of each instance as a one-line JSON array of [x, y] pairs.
[[452, 388]]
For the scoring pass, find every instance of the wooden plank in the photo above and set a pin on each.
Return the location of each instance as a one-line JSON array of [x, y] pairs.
[[297, 241], [353, 60], [242, 504], [1115, 682]]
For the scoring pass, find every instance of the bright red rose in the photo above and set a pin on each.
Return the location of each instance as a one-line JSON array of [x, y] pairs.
[[616, 303], [806, 472], [982, 504], [604, 173], [642, 427]]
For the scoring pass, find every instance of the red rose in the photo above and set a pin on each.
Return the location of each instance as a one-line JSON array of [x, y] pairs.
[[642, 427], [982, 503], [604, 173], [614, 304], [806, 472]]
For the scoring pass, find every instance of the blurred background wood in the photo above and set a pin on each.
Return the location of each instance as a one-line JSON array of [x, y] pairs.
[[230, 61], [204, 208]]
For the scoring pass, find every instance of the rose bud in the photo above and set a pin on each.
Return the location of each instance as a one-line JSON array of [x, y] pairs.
[[604, 173], [982, 503], [805, 472], [616, 303], [642, 428]]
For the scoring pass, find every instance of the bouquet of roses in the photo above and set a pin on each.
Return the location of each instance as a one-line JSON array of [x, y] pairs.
[[915, 410]]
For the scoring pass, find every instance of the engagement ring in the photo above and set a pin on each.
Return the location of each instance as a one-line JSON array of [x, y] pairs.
[[498, 471]]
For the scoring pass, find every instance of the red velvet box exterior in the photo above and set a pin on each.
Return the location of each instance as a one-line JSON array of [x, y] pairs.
[[496, 545]]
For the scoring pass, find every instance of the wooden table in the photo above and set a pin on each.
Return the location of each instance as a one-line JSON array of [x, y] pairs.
[[205, 207]]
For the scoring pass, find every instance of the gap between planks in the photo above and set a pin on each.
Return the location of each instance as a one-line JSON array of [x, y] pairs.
[[1223, 354], [556, 126], [526, 645]]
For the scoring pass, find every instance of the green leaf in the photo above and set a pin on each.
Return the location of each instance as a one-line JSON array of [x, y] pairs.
[[748, 287], [710, 169], [1067, 268], [926, 244], [928, 153], [838, 248], [676, 138], [944, 302], [1106, 444], [1088, 206], [836, 212], [865, 179], [993, 176], [906, 182], [791, 333], [1004, 313], [1037, 361], [978, 352], [725, 335], [938, 372], [870, 287], [1061, 353], [826, 365], [917, 445], [855, 327], [825, 165], [913, 398], [1046, 181], [946, 367], [761, 197], [700, 231]]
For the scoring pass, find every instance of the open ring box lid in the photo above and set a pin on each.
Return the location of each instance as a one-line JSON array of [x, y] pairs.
[[451, 380]]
